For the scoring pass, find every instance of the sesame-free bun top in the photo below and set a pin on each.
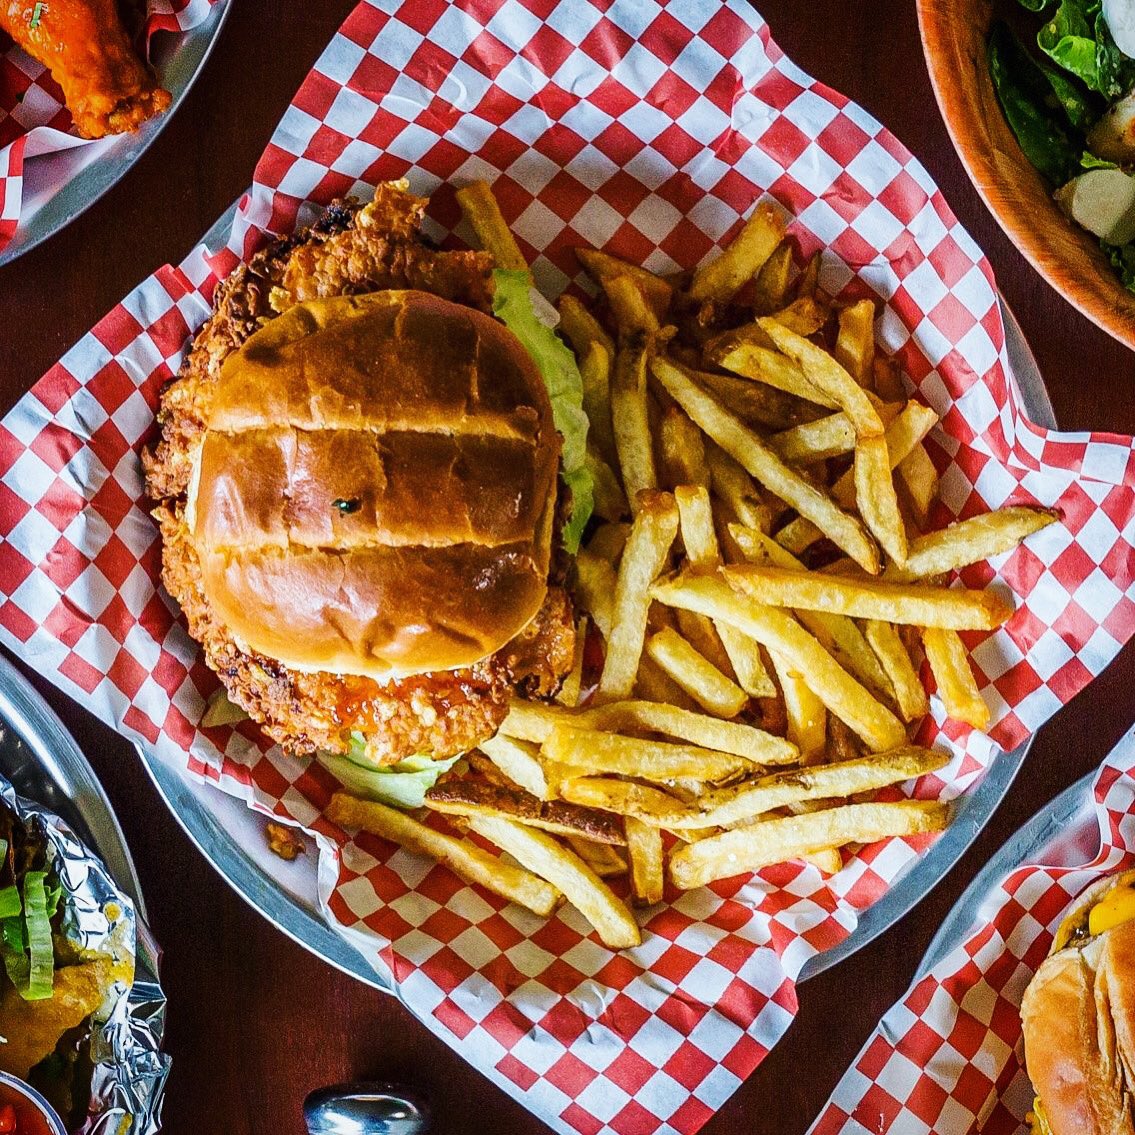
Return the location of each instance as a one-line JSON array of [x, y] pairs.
[[376, 487]]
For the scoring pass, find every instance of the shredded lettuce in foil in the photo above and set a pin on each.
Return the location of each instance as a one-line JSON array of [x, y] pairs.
[[515, 306], [402, 785]]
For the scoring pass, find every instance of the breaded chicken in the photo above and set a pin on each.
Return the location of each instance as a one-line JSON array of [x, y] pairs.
[[350, 250]]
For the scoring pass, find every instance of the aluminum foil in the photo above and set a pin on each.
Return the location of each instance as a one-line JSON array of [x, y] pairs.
[[129, 1069]]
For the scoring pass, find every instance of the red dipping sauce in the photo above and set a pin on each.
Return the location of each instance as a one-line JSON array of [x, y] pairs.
[[24, 1112]]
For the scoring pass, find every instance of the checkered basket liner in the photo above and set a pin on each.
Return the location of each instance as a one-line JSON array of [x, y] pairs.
[[650, 131], [34, 121], [949, 1056]]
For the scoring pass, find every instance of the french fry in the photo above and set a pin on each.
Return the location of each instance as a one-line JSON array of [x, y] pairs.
[[807, 715], [682, 460], [696, 523], [602, 858], [809, 279], [776, 841], [463, 858], [917, 473], [978, 538], [595, 588], [904, 432], [805, 316], [648, 546], [855, 343], [572, 684], [698, 631], [653, 684], [626, 798], [815, 441], [520, 762], [644, 849], [823, 372], [771, 286], [754, 403], [780, 633], [743, 258], [827, 860], [735, 487], [762, 364], [956, 686], [483, 214], [893, 657], [915, 604], [703, 681], [631, 421], [457, 797], [746, 447], [798, 536], [656, 761], [545, 857], [608, 541], [630, 307], [603, 267], [610, 503], [842, 745], [888, 379], [875, 496], [582, 328], [595, 370]]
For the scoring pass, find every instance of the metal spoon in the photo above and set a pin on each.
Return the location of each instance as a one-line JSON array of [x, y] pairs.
[[367, 1108]]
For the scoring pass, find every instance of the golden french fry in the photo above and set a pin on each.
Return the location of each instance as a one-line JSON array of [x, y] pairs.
[[519, 761], [804, 316], [735, 487], [582, 328], [808, 281], [608, 541], [753, 402], [603, 267], [644, 557], [703, 681], [888, 379], [912, 603], [889, 649], [762, 364], [602, 858], [742, 258], [823, 372], [696, 523], [631, 421], [626, 798], [875, 497], [798, 536], [815, 441], [572, 684], [656, 761], [549, 859], [978, 538], [806, 713], [595, 584], [682, 458], [746, 447], [956, 686], [904, 432], [917, 473], [653, 684], [644, 849], [771, 287], [827, 860], [776, 841], [855, 343], [464, 859], [780, 633], [698, 631], [483, 214], [609, 500], [595, 370], [630, 307]]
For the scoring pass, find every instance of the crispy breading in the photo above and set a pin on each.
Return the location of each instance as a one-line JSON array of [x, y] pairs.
[[351, 249]]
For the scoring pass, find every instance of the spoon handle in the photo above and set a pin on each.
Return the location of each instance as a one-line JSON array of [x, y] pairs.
[[366, 1108]]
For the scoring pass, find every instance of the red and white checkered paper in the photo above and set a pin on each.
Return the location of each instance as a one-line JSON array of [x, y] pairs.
[[34, 122], [649, 130], [949, 1056]]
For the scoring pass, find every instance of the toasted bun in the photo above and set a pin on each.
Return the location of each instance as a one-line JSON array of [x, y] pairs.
[[1078, 1016], [376, 487]]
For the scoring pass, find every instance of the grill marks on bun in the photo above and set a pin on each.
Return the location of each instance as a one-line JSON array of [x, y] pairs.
[[376, 486]]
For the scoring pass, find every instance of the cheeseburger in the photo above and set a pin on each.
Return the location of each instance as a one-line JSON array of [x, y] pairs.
[[1078, 1014], [357, 487]]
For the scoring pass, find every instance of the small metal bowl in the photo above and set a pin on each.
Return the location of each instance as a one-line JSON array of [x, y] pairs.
[[9, 1085]]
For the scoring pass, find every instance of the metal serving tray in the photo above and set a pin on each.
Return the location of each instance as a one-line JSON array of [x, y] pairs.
[[92, 169], [230, 835]]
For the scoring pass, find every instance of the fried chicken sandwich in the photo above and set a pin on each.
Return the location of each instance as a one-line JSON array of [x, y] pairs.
[[358, 493], [1078, 1014]]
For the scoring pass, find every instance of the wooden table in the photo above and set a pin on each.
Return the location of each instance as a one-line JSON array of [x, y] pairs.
[[255, 1022]]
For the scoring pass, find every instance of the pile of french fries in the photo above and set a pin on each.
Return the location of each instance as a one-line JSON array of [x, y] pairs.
[[763, 581]]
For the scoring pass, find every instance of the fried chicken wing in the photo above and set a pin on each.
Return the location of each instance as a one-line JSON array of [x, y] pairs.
[[108, 89]]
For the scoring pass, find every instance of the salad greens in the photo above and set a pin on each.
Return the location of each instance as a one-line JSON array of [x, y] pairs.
[[513, 304], [402, 785], [29, 898], [1053, 98]]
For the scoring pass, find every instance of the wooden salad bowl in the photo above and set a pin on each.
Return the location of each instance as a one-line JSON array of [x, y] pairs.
[[954, 34]]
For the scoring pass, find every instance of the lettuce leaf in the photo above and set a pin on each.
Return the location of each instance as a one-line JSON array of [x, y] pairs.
[[403, 785], [515, 305], [1078, 38]]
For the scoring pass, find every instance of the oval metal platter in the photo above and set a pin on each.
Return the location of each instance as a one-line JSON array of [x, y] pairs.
[[231, 837], [92, 170]]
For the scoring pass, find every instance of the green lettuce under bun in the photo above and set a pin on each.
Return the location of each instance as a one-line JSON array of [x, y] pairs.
[[402, 785]]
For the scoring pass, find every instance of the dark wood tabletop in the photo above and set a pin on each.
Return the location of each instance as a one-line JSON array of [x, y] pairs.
[[255, 1021]]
